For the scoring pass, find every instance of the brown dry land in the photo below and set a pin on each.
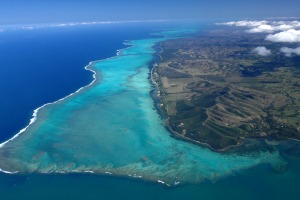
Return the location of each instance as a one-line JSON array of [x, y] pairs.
[[215, 91]]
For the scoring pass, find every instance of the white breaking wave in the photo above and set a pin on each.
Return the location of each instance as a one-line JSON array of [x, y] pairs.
[[35, 112], [7, 172], [162, 182]]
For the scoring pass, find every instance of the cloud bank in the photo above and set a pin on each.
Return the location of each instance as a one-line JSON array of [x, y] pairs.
[[286, 31], [290, 51], [244, 23], [278, 31], [262, 28], [265, 26], [290, 36], [262, 51]]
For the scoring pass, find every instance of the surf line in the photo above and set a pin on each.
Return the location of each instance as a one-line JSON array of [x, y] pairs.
[[35, 112], [128, 43]]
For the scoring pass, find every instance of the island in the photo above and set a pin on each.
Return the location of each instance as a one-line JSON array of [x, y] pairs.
[[215, 91]]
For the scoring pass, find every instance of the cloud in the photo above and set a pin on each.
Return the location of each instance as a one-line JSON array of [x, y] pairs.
[[290, 36], [31, 27], [265, 28], [262, 51], [279, 31], [289, 51]]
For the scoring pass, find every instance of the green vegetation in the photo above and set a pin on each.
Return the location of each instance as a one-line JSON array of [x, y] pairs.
[[215, 91]]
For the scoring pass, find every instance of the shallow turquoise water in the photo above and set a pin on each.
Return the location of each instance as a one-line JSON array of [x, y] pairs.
[[257, 183], [112, 127]]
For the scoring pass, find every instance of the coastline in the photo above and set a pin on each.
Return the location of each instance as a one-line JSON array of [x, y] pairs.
[[156, 79], [157, 97]]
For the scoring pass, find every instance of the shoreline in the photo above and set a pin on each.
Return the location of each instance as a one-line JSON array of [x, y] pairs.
[[161, 111], [164, 116]]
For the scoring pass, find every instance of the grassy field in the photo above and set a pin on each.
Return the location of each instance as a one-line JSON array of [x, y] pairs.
[[214, 90]]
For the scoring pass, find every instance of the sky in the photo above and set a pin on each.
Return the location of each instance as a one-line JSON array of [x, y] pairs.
[[55, 11]]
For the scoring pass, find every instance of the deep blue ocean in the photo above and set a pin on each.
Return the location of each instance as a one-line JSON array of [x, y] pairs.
[[43, 65]]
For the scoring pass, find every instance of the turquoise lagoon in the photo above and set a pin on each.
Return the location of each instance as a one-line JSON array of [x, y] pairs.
[[112, 127]]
